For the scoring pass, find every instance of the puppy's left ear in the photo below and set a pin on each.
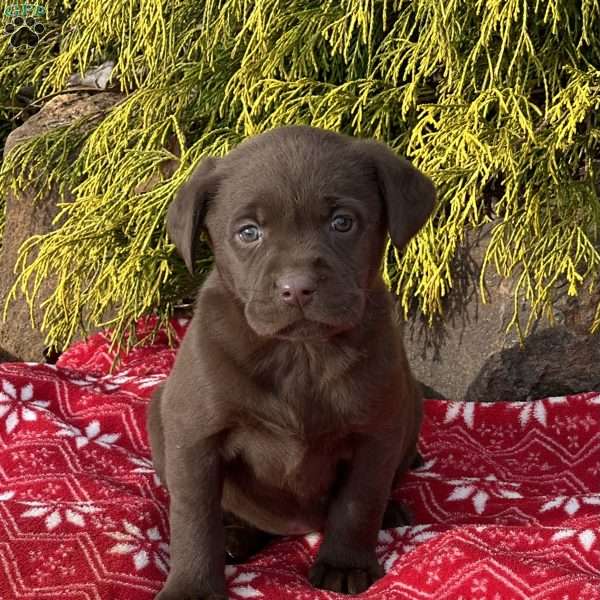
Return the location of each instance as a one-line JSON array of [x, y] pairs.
[[408, 194], [186, 213]]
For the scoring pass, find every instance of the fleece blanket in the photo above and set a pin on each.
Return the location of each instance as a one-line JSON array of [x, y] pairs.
[[507, 505]]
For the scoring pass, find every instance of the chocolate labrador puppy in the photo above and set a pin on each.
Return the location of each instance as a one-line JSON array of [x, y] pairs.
[[291, 404]]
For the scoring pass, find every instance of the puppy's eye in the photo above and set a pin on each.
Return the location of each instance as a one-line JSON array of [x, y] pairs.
[[342, 223], [249, 234]]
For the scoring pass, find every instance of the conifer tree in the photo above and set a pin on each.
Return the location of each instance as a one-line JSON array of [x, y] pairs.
[[496, 100]]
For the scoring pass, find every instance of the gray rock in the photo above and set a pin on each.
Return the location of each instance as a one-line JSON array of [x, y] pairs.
[[469, 355], [552, 362], [59, 111], [24, 218], [95, 77]]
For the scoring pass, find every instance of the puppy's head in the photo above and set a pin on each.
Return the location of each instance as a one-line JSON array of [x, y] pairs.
[[297, 219]]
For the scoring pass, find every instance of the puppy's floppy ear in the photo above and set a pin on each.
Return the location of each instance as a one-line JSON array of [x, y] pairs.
[[408, 194], [187, 211]]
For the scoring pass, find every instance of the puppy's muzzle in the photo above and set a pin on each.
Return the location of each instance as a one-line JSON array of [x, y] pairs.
[[296, 289]]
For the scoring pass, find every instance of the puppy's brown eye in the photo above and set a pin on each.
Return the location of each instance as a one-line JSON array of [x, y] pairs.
[[249, 234], [342, 223]]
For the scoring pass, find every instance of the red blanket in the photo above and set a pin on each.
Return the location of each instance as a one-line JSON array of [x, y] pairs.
[[506, 506]]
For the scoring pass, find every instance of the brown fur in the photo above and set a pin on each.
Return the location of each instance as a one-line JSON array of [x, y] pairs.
[[293, 415]]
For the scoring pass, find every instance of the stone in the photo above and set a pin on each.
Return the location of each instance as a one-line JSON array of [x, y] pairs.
[[24, 218], [552, 362], [470, 355], [61, 110]]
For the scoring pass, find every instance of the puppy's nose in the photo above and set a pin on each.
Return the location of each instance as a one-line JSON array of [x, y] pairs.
[[297, 288]]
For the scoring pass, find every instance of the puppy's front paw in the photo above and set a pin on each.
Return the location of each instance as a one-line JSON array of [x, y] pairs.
[[344, 580]]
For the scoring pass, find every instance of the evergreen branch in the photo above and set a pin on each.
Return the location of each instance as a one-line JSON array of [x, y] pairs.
[[498, 95]]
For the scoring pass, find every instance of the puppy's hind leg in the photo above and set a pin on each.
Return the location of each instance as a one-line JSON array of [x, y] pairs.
[[155, 434], [396, 514]]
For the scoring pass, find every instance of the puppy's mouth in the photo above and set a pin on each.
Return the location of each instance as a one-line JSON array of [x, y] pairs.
[[305, 329]]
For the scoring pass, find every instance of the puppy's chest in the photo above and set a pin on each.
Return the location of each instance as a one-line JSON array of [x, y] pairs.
[[299, 427], [288, 457], [296, 437]]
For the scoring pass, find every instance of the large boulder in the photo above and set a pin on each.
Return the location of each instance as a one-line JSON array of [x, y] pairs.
[[552, 362], [469, 355], [24, 218]]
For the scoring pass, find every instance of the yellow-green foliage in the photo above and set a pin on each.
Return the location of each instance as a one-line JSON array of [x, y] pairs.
[[487, 95]]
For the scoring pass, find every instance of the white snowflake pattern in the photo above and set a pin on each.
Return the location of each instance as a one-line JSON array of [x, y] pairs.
[[7, 495], [594, 469], [479, 585], [149, 381], [56, 513], [466, 410], [125, 377], [571, 505], [391, 543], [510, 538], [313, 538], [480, 491], [145, 465], [586, 538], [21, 406], [145, 547], [91, 433], [238, 583], [536, 409], [432, 565], [426, 470], [95, 383], [588, 423], [116, 381]]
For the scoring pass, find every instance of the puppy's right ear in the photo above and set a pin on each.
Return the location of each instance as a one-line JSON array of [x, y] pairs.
[[186, 213]]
